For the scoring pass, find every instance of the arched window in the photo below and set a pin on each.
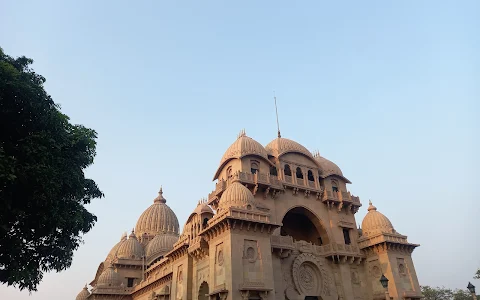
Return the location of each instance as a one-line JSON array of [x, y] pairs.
[[273, 171], [205, 223], [299, 173], [229, 172], [254, 167], [310, 175], [287, 171], [334, 186]]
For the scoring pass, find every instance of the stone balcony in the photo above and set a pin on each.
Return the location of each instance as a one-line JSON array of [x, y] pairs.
[[283, 245]]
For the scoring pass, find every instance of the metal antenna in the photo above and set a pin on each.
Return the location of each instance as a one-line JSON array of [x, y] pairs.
[[276, 111]]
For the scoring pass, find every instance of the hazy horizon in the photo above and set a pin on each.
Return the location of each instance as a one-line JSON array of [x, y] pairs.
[[388, 91]]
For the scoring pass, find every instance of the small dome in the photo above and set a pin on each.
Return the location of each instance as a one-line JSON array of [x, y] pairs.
[[375, 222], [108, 278], [161, 244], [131, 248], [327, 167], [113, 252], [236, 195], [243, 146], [158, 218], [202, 207], [280, 146], [83, 295]]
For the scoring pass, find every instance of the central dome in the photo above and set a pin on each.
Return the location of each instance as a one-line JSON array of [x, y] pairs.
[[280, 146], [158, 218], [236, 195]]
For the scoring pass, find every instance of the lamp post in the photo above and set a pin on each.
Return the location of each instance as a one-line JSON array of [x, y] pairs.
[[384, 282], [471, 288]]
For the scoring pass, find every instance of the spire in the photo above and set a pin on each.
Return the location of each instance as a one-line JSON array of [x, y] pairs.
[[276, 112], [160, 198], [242, 133], [370, 206]]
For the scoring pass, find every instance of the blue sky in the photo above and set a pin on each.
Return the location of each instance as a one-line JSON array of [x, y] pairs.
[[388, 90]]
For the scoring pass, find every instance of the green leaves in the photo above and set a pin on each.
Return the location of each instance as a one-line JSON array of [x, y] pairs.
[[43, 188], [445, 294]]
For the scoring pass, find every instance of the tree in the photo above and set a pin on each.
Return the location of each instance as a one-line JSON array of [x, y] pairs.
[[43, 189], [477, 275], [444, 293]]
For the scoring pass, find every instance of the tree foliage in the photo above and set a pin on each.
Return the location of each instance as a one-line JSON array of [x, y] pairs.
[[442, 293], [477, 275], [43, 188]]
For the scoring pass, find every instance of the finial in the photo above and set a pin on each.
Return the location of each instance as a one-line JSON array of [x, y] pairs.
[[85, 287], [160, 198], [370, 206], [276, 112]]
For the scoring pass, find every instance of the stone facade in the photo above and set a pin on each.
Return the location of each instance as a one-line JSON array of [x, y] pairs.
[[280, 224]]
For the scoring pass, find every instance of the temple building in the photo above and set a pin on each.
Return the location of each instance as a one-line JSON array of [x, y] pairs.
[[280, 224]]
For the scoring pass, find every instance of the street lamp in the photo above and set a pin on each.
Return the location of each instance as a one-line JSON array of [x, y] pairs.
[[471, 288], [384, 282]]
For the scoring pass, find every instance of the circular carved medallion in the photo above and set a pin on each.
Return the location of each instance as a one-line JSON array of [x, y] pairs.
[[310, 276]]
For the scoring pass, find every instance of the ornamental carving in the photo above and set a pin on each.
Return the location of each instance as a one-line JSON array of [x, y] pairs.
[[310, 276], [220, 258]]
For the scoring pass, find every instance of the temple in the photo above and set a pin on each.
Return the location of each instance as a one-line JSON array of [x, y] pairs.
[[280, 224]]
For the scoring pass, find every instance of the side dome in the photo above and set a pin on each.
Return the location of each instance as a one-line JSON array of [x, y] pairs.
[[158, 218], [130, 249], [203, 207], [236, 195], [243, 146], [375, 223], [281, 146], [328, 168], [161, 244], [113, 252], [83, 295], [109, 278]]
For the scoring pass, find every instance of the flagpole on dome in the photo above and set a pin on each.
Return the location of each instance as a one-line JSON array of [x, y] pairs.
[[276, 112]]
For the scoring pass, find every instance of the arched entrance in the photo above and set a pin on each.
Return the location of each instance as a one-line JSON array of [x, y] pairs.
[[301, 224], [203, 291]]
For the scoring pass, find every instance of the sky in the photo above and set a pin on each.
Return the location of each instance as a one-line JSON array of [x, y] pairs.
[[388, 90]]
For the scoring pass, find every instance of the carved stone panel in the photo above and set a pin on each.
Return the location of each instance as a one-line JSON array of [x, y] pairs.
[[311, 277], [252, 264]]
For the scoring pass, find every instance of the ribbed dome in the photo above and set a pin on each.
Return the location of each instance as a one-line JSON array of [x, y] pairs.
[[158, 218], [243, 146], [108, 278], [280, 146], [130, 249], [327, 167], [375, 222], [83, 294], [236, 195], [161, 244], [113, 252], [201, 208]]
